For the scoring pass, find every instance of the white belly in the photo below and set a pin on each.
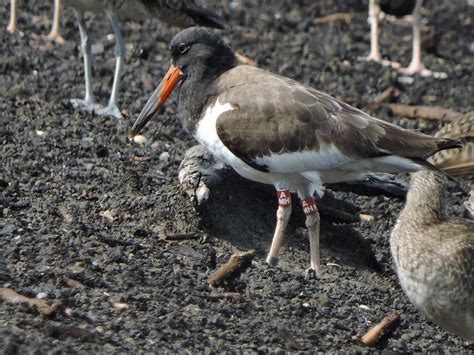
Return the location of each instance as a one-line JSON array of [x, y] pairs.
[[299, 171], [206, 134]]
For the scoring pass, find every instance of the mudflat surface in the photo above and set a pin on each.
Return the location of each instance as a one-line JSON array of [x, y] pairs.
[[85, 215]]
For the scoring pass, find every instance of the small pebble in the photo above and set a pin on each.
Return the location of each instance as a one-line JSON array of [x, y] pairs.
[[164, 157], [139, 139]]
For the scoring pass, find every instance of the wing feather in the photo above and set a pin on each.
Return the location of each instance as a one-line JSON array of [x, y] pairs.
[[276, 115]]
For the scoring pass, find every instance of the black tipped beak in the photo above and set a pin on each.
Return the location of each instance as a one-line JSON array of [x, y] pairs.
[[157, 99]]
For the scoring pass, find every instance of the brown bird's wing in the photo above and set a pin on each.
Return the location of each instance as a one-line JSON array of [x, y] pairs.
[[274, 114], [457, 162]]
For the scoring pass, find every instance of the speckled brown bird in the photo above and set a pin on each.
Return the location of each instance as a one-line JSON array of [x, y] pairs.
[[434, 256], [275, 130], [457, 162], [182, 13], [53, 35]]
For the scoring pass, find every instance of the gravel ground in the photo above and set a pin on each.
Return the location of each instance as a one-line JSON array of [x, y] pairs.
[[84, 221]]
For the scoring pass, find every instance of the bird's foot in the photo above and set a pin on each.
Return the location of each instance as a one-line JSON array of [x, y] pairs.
[[54, 37], [272, 260], [312, 274], [378, 59], [423, 71], [12, 28], [111, 110], [84, 105]]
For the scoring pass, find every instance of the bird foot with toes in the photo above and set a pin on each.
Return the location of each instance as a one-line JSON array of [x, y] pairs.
[[84, 105], [54, 37], [312, 274], [112, 111], [380, 60], [423, 71]]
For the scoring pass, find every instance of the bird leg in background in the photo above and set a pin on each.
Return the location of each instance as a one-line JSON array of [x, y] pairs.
[[12, 27], [283, 216], [120, 51], [54, 35], [416, 66], [374, 14], [312, 223], [88, 102]]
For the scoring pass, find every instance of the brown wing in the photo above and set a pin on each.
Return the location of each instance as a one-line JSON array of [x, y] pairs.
[[457, 162], [275, 115]]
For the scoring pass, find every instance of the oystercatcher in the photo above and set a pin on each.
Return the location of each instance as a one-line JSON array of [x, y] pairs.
[[53, 35], [399, 8], [277, 131], [434, 256], [182, 13]]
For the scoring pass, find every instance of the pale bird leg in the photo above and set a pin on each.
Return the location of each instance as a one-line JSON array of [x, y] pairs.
[[416, 66], [54, 35], [120, 51], [374, 14], [12, 27], [283, 216], [88, 102], [313, 224]]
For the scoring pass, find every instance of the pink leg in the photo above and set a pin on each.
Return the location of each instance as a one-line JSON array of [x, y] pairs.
[[283, 216], [374, 13], [12, 27], [312, 223], [54, 35], [416, 66]]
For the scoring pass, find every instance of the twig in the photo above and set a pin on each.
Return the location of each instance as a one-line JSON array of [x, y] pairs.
[[44, 308], [139, 158], [66, 214], [380, 98], [339, 16], [246, 60], [380, 329], [333, 215], [71, 331], [72, 283], [236, 265], [182, 236], [427, 112]]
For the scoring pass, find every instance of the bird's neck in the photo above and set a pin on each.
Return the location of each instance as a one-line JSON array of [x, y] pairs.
[[193, 97], [425, 199], [198, 90]]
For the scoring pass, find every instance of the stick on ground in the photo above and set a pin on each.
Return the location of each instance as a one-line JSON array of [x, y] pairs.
[[427, 112], [380, 329], [237, 264], [10, 295]]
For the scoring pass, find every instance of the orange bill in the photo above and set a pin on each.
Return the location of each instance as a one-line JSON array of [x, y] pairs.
[[157, 99]]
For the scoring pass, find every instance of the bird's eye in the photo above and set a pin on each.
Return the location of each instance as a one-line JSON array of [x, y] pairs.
[[183, 48]]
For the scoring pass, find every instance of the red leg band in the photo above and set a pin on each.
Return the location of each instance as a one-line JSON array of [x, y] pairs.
[[309, 206], [284, 198]]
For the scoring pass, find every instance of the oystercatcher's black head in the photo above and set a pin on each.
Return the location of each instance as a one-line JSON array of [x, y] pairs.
[[197, 55], [201, 54]]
